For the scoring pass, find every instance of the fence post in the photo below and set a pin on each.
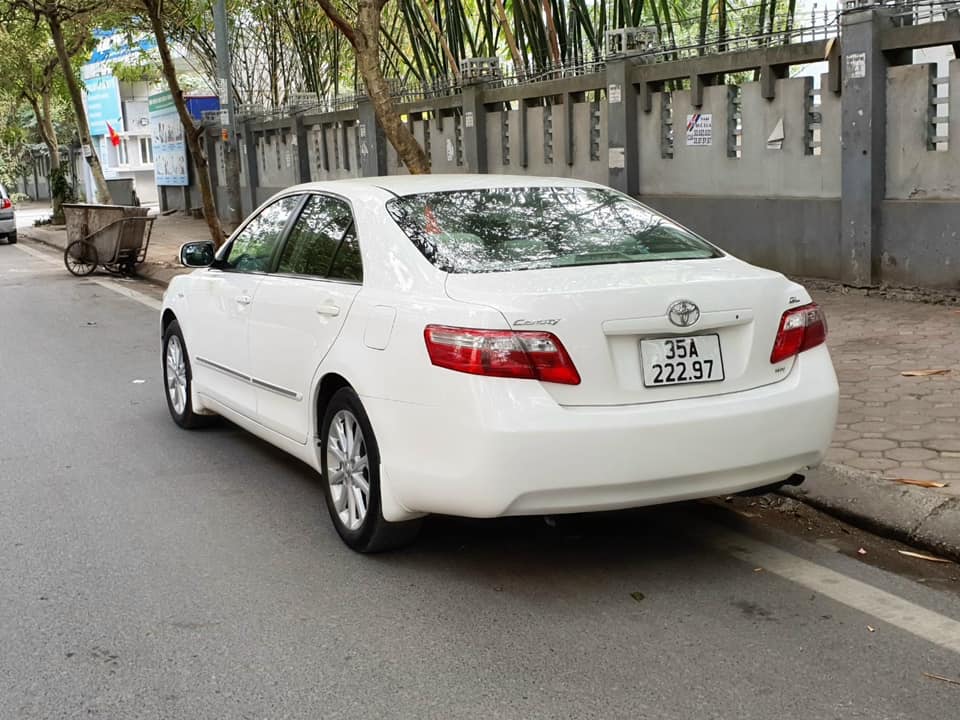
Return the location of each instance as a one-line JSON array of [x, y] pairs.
[[863, 115], [253, 167], [371, 141], [303, 149], [474, 129], [622, 135], [210, 137]]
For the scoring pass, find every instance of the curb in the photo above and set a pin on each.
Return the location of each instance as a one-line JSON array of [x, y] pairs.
[[152, 272], [914, 515]]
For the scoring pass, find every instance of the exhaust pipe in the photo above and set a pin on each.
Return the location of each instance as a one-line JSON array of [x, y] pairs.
[[794, 479]]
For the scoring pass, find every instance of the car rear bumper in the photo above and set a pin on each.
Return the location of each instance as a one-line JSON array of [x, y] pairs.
[[8, 225], [516, 452]]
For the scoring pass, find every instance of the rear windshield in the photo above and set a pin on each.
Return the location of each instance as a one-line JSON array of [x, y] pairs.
[[525, 228]]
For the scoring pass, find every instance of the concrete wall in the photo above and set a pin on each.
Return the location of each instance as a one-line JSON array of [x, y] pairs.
[[913, 170], [793, 235]]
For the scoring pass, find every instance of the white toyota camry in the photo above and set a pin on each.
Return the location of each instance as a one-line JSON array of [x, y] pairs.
[[485, 345]]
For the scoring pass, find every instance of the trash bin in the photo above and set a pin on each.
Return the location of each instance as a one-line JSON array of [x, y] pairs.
[[122, 191]]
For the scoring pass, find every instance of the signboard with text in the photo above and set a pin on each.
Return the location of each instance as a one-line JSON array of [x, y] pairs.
[[103, 104], [169, 145]]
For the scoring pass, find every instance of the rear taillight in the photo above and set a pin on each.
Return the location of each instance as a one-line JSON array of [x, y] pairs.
[[800, 329], [501, 353], [5, 203]]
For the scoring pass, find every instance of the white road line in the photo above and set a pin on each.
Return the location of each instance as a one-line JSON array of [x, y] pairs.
[[130, 293], [927, 624], [108, 284], [35, 253]]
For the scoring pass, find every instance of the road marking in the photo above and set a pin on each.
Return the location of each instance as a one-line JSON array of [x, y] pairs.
[[140, 297], [927, 624], [130, 293], [35, 253]]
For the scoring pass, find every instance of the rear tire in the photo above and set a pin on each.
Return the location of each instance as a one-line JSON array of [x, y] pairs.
[[350, 461]]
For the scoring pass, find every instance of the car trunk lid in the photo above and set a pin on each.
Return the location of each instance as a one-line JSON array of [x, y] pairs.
[[602, 313]]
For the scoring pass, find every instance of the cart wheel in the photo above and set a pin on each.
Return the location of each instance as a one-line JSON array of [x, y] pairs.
[[128, 269], [80, 257]]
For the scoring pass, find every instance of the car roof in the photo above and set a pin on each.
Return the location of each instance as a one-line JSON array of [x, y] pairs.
[[439, 182]]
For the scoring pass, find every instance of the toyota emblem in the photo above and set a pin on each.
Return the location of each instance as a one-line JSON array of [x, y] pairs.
[[683, 313]]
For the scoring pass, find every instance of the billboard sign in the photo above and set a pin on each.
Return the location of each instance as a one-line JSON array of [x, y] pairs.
[[103, 104], [169, 144]]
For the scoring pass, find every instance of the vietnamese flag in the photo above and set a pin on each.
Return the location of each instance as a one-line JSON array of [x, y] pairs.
[[114, 138]]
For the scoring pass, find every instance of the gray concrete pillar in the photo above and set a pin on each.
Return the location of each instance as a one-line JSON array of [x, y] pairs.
[[474, 129], [303, 149], [863, 116], [371, 142], [210, 139], [622, 136], [253, 169]]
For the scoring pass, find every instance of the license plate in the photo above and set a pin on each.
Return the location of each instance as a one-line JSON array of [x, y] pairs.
[[681, 360]]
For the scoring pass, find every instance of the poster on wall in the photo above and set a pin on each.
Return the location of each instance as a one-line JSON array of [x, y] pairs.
[[699, 129], [169, 144]]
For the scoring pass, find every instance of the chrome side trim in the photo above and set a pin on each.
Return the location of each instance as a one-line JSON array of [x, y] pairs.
[[224, 369], [285, 392], [293, 395]]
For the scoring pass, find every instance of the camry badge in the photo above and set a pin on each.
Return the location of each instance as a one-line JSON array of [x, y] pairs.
[[683, 313]]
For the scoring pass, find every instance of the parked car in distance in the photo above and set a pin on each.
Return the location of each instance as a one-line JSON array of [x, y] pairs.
[[8, 220], [485, 345]]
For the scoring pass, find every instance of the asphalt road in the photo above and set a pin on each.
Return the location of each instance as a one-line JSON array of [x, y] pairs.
[[148, 572]]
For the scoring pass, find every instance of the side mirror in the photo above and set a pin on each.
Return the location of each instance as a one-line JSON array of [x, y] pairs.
[[197, 254]]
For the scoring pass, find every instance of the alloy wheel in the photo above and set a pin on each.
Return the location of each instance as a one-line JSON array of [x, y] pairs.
[[348, 470]]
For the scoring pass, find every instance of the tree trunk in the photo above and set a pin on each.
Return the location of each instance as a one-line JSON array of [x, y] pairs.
[[45, 128], [83, 127], [702, 30], [553, 40], [518, 64], [49, 137], [551, 33], [442, 38], [367, 48], [192, 133]]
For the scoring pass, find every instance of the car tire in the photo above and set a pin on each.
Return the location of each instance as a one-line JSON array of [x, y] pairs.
[[178, 380], [350, 462], [12, 238]]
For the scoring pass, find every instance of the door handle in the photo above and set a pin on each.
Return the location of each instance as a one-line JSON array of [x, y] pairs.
[[244, 299], [331, 310]]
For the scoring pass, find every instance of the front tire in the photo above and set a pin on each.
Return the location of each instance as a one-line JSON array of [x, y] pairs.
[[178, 380], [350, 460], [12, 238]]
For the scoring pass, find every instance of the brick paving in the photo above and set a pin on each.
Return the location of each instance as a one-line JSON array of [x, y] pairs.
[[890, 425]]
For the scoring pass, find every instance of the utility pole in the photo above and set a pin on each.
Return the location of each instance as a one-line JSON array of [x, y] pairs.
[[228, 135]]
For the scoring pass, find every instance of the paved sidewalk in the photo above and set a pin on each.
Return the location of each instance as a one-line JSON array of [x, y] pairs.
[[890, 426]]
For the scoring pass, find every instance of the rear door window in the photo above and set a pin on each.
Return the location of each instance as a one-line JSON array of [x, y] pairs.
[[323, 242], [525, 228]]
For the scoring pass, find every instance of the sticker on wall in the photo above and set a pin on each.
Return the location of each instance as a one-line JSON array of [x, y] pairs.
[[616, 158], [700, 129], [468, 118], [614, 93], [856, 65], [451, 151], [775, 141]]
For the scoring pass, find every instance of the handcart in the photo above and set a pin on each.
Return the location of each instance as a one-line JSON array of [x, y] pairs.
[[115, 237]]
